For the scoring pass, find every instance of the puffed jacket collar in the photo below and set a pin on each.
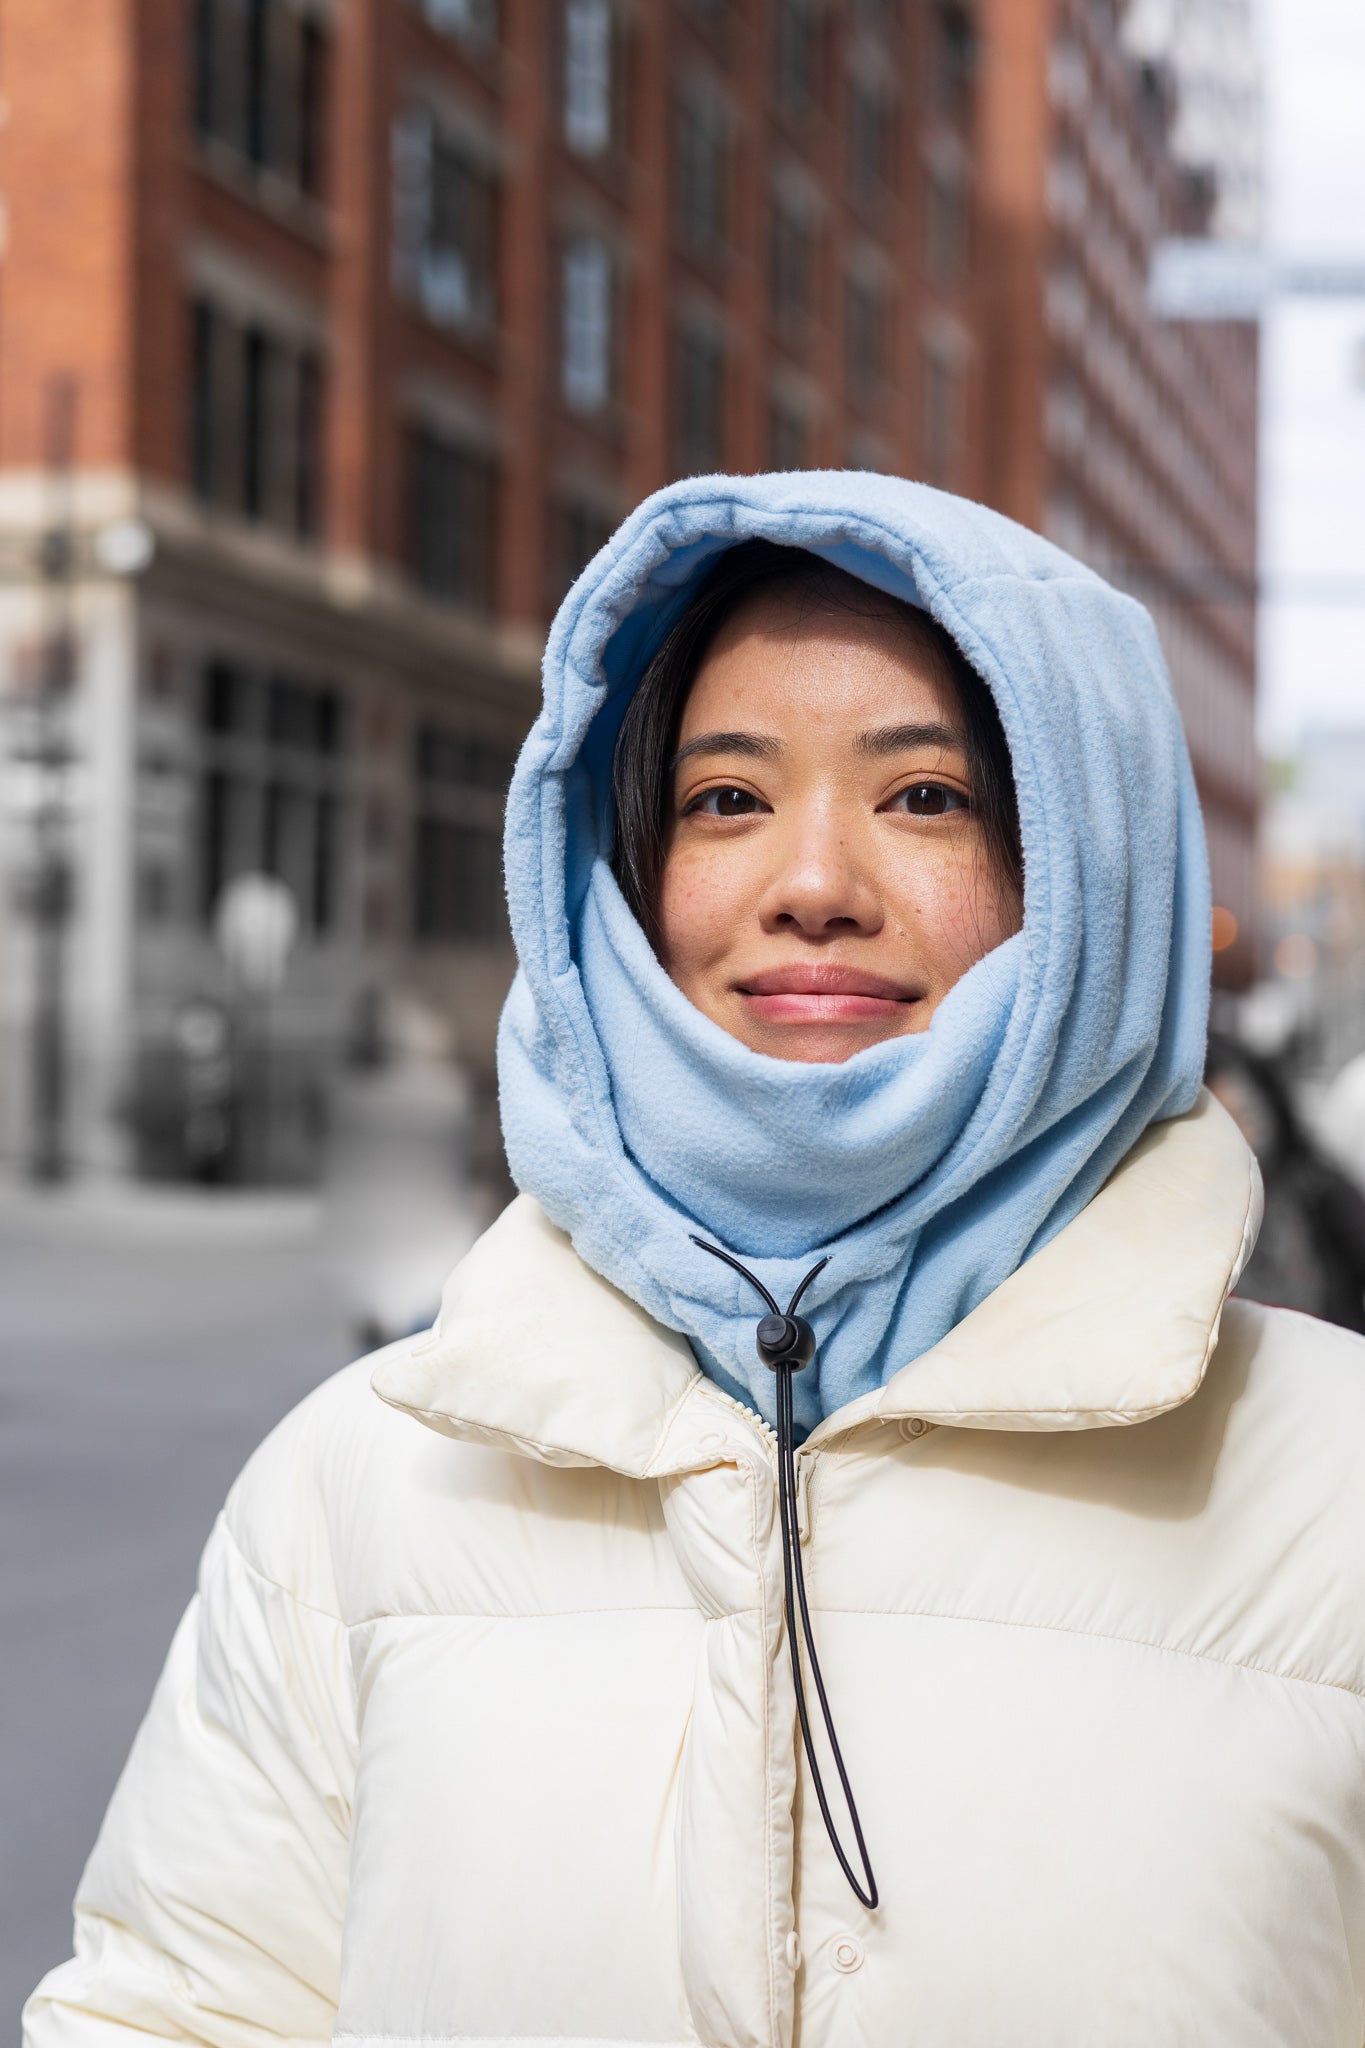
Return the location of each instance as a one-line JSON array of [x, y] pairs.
[[1113, 1322]]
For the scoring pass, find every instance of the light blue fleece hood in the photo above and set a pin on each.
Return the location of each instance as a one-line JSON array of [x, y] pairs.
[[927, 1168]]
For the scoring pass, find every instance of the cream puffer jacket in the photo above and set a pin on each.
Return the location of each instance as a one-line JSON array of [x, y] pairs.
[[481, 1729]]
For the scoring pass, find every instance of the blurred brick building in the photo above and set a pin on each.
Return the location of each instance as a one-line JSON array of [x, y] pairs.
[[1131, 441], [377, 315], [380, 314]]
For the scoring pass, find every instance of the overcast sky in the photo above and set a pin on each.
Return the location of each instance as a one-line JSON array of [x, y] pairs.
[[1313, 370]]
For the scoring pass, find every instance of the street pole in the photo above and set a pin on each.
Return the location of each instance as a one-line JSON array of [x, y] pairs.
[[51, 897]]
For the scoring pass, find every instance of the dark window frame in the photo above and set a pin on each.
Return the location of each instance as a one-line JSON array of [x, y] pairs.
[[310, 404], [204, 345], [941, 411], [702, 169], [700, 379], [274, 787], [953, 61], [788, 436], [582, 530], [452, 509], [459, 791], [797, 52], [873, 120], [258, 439], [867, 338], [947, 226], [260, 86], [256, 420], [792, 264]]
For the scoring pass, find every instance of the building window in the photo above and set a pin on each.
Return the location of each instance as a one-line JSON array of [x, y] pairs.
[[866, 349], [256, 426], [204, 342], [257, 124], [583, 529], [445, 223], [586, 340], [272, 790], [948, 226], [457, 891], [589, 76], [871, 139], [450, 520], [715, 19], [942, 422], [791, 267], [701, 162], [954, 60], [866, 451], [457, 883], [699, 399], [308, 446], [259, 85], [453, 760], [205, 79], [472, 21], [788, 436], [258, 440], [312, 109], [796, 56], [219, 57]]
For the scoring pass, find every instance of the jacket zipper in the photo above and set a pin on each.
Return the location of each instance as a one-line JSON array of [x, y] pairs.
[[768, 1436], [791, 1469]]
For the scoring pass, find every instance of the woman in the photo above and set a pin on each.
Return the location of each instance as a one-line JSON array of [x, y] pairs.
[[486, 1724]]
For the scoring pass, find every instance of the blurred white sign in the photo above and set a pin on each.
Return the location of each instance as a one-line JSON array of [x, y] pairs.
[[255, 925], [1205, 280]]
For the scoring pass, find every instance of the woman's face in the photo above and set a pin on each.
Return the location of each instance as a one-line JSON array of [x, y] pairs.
[[826, 878]]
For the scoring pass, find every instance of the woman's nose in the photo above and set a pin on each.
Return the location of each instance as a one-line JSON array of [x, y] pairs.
[[821, 881]]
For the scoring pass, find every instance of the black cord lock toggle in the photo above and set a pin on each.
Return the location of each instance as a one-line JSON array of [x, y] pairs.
[[786, 1343]]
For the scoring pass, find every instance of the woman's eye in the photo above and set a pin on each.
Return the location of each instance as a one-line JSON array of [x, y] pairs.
[[725, 803], [930, 800]]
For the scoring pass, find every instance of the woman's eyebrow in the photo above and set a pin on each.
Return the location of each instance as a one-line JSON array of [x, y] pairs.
[[897, 739], [756, 745]]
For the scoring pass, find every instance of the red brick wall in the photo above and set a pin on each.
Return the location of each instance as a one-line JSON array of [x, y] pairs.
[[364, 511], [107, 191], [66, 281], [1013, 142]]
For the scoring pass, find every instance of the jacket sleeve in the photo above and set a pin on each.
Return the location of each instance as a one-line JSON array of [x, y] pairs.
[[211, 1908]]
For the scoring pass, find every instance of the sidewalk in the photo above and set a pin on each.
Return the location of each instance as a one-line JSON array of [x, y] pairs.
[[143, 1212], [148, 1340]]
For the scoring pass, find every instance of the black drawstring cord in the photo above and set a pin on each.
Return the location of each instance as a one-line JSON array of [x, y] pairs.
[[786, 1344]]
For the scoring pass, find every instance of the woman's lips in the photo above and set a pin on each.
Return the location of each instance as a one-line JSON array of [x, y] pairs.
[[822, 995]]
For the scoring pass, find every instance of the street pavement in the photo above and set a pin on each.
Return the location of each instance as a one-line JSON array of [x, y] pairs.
[[144, 1350]]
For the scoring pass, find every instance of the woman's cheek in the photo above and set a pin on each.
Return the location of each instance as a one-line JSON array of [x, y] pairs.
[[700, 906], [955, 912]]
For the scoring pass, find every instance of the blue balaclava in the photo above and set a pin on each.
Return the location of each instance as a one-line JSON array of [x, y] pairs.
[[926, 1168]]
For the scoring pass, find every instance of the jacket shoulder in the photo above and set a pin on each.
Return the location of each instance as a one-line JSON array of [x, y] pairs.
[[289, 1508], [1298, 1358], [1288, 1399]]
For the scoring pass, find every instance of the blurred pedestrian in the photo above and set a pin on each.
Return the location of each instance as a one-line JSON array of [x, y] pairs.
[[1310, 1253], [397, 1206], [1341, 1120], [840, 1568]]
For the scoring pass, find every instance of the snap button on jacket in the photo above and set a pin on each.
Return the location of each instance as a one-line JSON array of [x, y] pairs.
[[481, 1726]]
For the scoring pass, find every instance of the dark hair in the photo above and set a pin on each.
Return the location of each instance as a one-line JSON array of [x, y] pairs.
[[642, 767]]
